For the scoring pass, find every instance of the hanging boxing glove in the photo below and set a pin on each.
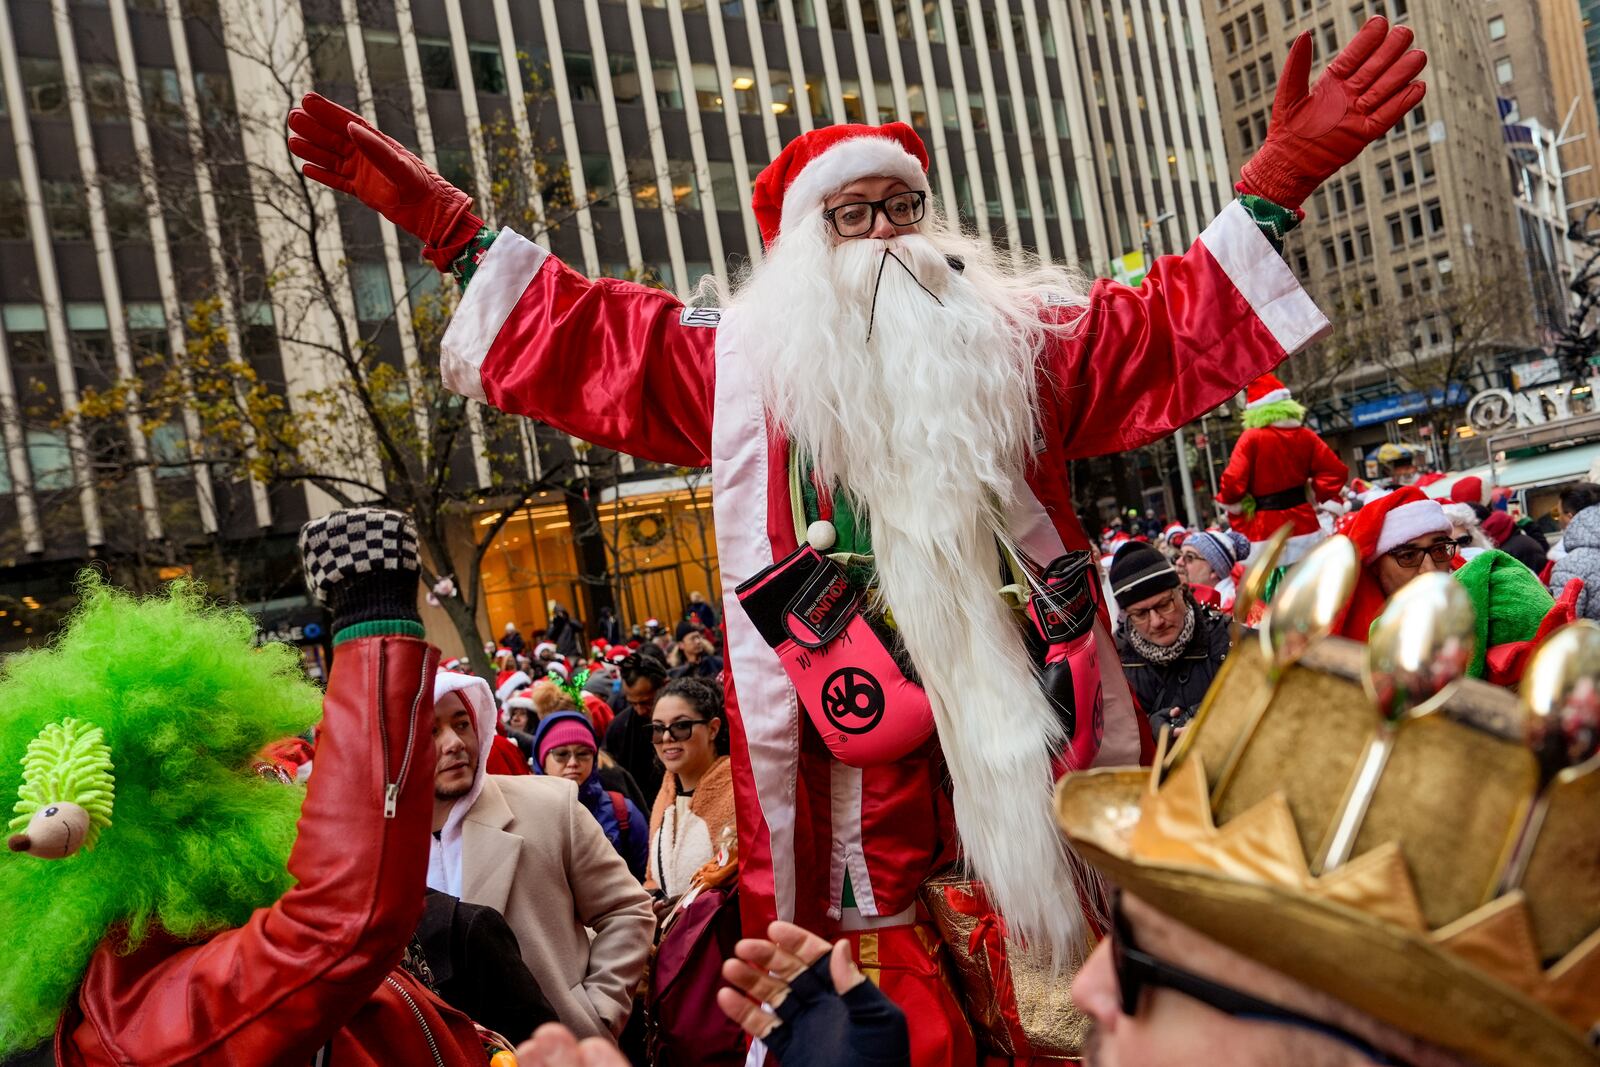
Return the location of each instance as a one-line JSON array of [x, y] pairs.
[[861, 702], [1062, 609]]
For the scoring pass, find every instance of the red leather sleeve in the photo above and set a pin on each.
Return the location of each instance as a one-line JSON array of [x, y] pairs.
[[611, 362], [1235, 482], [1328, 471], [276, 989]]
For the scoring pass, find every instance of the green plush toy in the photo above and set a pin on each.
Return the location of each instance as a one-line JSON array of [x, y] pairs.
[[145, 715]]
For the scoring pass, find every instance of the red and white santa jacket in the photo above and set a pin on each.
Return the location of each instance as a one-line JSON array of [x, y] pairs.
[[1271, 463], [679, 385]]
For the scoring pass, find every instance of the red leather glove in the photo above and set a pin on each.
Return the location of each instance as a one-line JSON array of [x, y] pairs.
[[1364, 92], [344, 151]]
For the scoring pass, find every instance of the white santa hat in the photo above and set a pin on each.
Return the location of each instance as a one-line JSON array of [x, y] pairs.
[[817, 164], [542, 647]]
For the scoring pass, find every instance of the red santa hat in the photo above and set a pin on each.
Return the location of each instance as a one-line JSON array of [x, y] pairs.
[[1265, 390], [1383, 524], [522, 699], [817, 164], [1467, 490], [1395, 518]]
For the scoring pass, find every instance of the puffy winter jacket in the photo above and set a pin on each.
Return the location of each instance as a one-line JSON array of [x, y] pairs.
[[634, 845], [1582, 541], [1182, 683]]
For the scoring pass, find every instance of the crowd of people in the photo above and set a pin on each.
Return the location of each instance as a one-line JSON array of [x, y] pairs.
[[899, 799]]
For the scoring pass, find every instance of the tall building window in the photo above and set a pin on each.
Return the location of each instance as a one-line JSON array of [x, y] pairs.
[[850, 91], [886, 108], [102, 88], [488, 72], [386, 64], [744, 91], [125, 212], [581, 81], [1502, 71], [724, 186], [980, 120], [438, 66], [373, 297], [821, 110], [1497, 28], [917, 104], [330, 54], [46, 91], [163, 101], [13, 211], [1424, 163], [50, 459], [68, 210], [707, 87], [782, 91]]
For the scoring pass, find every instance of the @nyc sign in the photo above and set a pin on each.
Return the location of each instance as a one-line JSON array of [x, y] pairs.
[[1500, 409]]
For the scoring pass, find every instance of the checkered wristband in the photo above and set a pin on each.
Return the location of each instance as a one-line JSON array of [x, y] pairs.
[[362, 563]]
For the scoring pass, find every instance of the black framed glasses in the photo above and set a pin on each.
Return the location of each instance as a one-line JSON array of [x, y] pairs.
[[856, 219], [1138, 970], [1409, 557], [678, 731]]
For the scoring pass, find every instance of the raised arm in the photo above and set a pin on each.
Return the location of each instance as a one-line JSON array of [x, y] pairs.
[[1145, 361], [618, 364], [1141, 361], [276, 989]]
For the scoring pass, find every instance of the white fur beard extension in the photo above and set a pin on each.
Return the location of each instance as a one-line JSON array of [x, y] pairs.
[[927, 426]]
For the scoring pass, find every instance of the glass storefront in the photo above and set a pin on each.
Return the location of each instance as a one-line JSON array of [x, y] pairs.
[[659, 548]]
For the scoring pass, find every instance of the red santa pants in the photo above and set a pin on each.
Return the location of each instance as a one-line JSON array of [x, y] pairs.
[[907, 964]]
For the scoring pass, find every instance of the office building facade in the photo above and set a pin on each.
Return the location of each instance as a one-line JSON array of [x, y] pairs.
[[138, 131]]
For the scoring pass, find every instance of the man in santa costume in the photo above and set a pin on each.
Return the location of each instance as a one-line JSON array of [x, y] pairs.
[[1280, 472], [889, 408]]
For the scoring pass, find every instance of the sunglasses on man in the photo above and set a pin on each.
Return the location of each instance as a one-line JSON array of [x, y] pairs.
[[1137, 971]]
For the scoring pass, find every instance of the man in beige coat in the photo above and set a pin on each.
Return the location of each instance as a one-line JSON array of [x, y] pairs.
[[524, 845]]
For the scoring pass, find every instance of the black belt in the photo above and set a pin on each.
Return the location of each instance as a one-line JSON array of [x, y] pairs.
[[1282, 500]]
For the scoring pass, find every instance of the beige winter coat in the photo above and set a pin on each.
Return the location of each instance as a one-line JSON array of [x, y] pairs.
[[684, 837], [530, 850]]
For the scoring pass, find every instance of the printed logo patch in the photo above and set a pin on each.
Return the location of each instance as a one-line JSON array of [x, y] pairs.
[[707, 317]]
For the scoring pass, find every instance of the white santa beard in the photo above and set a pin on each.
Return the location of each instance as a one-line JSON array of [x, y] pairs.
[[927, 427]]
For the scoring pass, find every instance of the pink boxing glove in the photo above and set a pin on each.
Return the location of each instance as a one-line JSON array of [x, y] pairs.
[[1062, 610], [855, 693]]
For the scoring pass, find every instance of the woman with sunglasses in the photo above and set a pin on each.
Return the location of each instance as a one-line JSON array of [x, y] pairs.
[[695, 805]]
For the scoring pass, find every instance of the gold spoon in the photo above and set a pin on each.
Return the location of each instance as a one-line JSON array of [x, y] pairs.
[[1303, 612], [1418, 650], [1561, 705]]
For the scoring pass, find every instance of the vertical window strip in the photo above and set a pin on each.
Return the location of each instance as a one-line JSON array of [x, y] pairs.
[[969, 140], [666, 198], [1027, 159], [697, 143]]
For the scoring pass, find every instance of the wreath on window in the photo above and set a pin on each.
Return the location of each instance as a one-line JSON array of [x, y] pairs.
[[647, 530]]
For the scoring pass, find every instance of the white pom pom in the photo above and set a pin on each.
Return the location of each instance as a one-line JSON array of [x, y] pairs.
[[821, 535]]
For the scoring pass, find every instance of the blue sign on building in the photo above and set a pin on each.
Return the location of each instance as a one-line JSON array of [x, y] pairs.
[[1402, 404]]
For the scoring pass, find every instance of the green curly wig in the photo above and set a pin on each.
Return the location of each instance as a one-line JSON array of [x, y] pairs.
[[196, 840], [1277, 411]]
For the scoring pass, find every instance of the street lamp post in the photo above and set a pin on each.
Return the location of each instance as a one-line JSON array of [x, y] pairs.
[[1179, 439]]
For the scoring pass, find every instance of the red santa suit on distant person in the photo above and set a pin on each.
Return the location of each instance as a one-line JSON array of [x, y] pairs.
[[1283, 468], [914, 393]]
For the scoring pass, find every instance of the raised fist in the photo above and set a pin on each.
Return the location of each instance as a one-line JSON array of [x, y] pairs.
[[1365, 91], [344, 151], [362, 563]]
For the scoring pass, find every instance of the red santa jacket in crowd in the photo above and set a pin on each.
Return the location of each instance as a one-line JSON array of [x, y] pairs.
[[319, 966], [1276, 459], [675, 384]]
